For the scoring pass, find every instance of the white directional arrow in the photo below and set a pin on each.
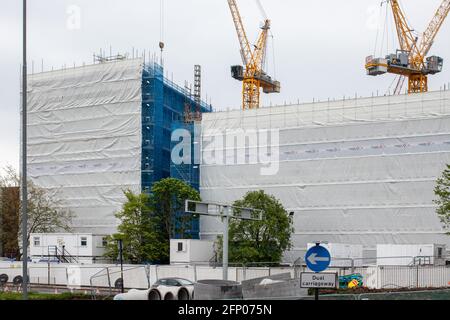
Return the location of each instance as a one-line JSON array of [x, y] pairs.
[[313, 259]]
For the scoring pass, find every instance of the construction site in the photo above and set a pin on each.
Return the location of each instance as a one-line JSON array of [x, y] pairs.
[[356, 174]]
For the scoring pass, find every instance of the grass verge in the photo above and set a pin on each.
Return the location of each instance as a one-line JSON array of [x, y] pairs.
[[44, 296]]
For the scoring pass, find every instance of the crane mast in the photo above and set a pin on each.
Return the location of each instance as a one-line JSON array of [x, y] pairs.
[[411, 60], [253, 77]]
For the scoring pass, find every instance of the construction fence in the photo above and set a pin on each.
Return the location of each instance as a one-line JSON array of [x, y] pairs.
[[143, 276]]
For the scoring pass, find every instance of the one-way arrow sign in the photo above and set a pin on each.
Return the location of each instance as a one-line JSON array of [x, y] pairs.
[[318, 258], [313, 259]]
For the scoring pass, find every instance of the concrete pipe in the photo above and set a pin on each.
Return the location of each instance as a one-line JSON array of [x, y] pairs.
[[169, 296], [183, 295], [154, 295], [217, 290]]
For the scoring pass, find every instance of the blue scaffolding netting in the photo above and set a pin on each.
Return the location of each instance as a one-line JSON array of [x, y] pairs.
[[163, 110]]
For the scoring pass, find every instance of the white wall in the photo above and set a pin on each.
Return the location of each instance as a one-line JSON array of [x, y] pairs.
[[342, 253], [405, 254], [201, 250]]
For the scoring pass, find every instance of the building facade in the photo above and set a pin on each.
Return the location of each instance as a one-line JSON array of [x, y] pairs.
[[98, 130], [359, 171]]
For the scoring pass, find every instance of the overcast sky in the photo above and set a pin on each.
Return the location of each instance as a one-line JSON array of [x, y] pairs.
[[318, 51]]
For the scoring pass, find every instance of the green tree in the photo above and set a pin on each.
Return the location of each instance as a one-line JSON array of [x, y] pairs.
[[168, 200], [137, 230], [46, 213], [259, 241], [9, 221], [442, 191], [148, 222]]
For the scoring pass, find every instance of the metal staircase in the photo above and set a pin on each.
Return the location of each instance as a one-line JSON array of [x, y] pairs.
[[60, 255]]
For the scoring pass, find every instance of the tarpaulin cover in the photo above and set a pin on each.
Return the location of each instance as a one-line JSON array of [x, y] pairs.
[[84, 138], [356, 171]]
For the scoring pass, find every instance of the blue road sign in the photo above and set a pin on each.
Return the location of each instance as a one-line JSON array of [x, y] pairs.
[[318, 258]]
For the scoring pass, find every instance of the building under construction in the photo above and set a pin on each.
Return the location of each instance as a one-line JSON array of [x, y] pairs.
[[358, 171], [97, 130]]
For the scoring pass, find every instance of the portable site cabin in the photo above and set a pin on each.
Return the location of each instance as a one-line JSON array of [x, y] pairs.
[[67, 248]]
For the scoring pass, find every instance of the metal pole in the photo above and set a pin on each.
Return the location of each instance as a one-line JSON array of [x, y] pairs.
[[226, 218], [24, 160], [121, 265], [316, 294], [109, 281]]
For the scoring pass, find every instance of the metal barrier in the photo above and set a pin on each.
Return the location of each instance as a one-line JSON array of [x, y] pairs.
[[134, 277], [95, 288], [101, 279]]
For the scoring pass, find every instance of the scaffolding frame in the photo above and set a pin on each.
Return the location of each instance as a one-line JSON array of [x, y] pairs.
[[163, 111]]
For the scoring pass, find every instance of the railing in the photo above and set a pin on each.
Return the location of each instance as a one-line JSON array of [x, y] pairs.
[[65, 256], [101, 279], [109, 277], [100, 274], [61, 255]]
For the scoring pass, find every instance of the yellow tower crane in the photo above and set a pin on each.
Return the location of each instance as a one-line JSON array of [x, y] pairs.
[[253, 76], [411, 59]]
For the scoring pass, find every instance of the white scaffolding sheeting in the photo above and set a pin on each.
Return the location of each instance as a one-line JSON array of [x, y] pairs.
[[356, 171], [84, 140]]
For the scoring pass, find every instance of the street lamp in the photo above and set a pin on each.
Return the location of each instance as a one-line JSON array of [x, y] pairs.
[[24, 160]]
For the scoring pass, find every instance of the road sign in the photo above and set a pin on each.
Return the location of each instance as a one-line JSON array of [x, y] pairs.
[[318, 258], [226, 212], [318, 280], [221, 210]]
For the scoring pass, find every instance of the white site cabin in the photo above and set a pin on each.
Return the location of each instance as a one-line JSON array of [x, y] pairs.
[[187, 251], [411, 254], [343, 255], [67, 247]]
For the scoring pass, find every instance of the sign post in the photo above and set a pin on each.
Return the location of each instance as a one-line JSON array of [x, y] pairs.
[[120, 244], [318, 259], [225, 212]]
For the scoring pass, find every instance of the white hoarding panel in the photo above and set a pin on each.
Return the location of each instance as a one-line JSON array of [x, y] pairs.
[[84, 140], [359, 172]]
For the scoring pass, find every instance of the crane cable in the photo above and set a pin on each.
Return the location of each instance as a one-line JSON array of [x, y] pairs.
[[161, 21], [384, 27], [273, 56], [385, 31], [388, 91], [261, 9], [161, 30], [378, 30], [266, 62]]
